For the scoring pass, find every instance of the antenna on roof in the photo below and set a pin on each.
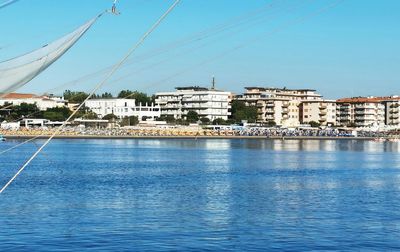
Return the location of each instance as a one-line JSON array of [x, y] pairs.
[[213, 83]]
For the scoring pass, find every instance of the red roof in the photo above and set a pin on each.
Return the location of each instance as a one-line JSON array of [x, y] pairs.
[[367, 99], [19, 96]]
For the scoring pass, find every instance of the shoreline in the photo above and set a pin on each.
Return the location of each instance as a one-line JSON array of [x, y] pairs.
[[16, 137]]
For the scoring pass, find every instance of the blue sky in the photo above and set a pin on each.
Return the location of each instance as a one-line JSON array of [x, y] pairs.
[[350, 49]]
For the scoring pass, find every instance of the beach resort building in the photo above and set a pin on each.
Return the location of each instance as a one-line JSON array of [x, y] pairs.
[[392, 111], [42, 102], [289, 107], [207, 103], [270, 108], [320, 111], [361, 111], [123, 108]]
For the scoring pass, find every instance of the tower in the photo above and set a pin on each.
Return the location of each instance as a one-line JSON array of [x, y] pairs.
[[213, 83]]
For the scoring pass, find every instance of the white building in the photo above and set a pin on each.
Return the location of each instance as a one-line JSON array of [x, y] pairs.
[[208, 103], [42, 102], [123, 108]]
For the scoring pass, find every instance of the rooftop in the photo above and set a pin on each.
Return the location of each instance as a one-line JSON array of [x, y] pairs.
[[280, 89], [19, 96], [195, 88], [368, 99]]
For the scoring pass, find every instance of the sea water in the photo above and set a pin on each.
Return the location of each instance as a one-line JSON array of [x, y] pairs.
[[162, 195]]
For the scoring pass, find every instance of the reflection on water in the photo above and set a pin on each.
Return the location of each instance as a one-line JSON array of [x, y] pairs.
[[203, 195]]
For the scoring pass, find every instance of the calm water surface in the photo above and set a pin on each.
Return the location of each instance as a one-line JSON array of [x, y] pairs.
[[161, 195]]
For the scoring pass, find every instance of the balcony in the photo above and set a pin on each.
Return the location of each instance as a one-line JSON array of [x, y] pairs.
[[366, 112], [270, 105], [364, 106], [344, 105], [363, 118], [344, 118]]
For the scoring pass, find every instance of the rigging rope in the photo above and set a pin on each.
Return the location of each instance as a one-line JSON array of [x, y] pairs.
[[7, 3], [98, 86]]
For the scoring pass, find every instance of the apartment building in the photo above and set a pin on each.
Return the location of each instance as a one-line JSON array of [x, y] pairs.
[[285, 106], [123, 108], [208, 103], [270, 108], [361, 111], [392, 110], [320, 111]]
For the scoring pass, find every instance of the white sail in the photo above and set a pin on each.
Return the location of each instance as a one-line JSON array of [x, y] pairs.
[[17, 72]]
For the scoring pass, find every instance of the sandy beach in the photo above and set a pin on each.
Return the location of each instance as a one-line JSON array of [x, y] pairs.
[[193, 133]]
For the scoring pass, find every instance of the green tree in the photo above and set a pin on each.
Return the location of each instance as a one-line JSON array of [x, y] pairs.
[[192, 116], [130, 121], [314, 124], [138, 96], [24, 110], [169, 119], [230, 121], [205, 120], [271, 123], [53, 116], [74, 96], [219, 121], [57, 114], [242, 112], [105, 95], [110, 117], [181, 122], [90, 115]]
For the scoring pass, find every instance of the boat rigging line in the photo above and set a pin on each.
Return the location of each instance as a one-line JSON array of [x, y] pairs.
[[97, 87], [7, 3]]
